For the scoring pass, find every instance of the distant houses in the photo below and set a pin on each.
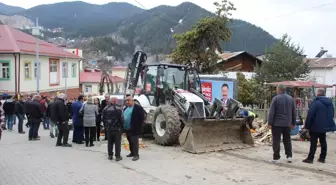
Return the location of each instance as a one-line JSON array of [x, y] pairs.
[[241, 61], [323, 70], [90, 81]]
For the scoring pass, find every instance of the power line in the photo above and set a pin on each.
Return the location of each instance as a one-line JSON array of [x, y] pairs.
[[237, 26]]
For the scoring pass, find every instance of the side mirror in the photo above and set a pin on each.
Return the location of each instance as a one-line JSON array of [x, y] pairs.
[[161, 72]]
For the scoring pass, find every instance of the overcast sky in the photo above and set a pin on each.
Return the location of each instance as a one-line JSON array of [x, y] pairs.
[[309, 22]]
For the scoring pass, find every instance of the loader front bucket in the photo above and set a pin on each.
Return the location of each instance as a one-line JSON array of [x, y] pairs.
[[200, 136]]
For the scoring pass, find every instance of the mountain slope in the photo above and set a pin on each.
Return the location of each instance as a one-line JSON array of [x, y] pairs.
[[9, 10], [153, 30], [77, 14]]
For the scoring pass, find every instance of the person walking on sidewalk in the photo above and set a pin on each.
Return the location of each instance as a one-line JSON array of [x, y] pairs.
[[89, 112], [19, 112], [134, 118], [319, 121], [77, 121], [114, 121], [59, 113], [282, 118], [35, 116]]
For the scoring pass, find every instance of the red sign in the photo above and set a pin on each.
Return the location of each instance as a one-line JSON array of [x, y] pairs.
[[207, 90]]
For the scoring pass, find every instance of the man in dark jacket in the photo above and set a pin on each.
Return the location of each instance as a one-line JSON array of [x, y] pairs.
[[26, 107], [44, 106], [60, 114], [319, 121], [19, 112], [9, 108], [114, 121], [134, 118], [282, 118], [53, 126], [102, 107], [35, 115]]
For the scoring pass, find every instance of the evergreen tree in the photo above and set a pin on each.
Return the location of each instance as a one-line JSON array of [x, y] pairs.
[[284, 61], [201, 43]]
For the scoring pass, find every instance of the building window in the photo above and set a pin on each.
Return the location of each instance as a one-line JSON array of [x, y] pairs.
[[64, 69], [73, 70], [4, 70], [88, 88], [27, 70], [53, 66], [35, 71], [53, 72]]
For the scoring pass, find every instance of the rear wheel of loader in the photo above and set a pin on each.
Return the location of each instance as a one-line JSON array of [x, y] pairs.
[[166, 125]]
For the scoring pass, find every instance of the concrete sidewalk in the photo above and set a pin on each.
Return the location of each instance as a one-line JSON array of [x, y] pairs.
[[40, 162]]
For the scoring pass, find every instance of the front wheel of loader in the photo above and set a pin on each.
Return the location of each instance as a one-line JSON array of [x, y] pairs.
[[166, 125]]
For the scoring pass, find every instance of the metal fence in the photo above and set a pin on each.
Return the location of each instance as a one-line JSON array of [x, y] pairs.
[[301, 110]]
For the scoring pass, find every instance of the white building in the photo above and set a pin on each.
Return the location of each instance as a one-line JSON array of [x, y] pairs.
[[18, 67], [90, 83], [323, 71]]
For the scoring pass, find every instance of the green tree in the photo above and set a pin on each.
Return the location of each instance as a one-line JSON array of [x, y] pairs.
[[1, 23], [249, 91], [283, 61], [200, 44]]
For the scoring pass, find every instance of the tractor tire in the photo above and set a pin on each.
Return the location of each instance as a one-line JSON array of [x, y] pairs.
[[167, 115]]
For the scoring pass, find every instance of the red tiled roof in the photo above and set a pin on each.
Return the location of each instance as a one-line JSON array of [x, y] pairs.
[[95, 77], [321, 62], [300, 84], [15, 41]]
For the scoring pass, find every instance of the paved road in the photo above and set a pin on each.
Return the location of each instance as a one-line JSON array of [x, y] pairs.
[[40, 163]]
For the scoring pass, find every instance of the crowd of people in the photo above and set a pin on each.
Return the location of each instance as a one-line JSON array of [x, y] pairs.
[[87, 116]]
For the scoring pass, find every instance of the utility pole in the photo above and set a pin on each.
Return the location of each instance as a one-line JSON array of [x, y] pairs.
[[66, 72], [36, 33]]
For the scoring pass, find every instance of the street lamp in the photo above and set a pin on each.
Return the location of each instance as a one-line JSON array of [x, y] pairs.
[[36, 33]]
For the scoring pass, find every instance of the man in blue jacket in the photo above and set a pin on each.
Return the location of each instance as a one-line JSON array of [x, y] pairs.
[[319, 121], [78, 128]]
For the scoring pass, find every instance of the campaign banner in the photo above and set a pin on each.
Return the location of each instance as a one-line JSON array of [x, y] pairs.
[[207, 90], [216, 89]]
